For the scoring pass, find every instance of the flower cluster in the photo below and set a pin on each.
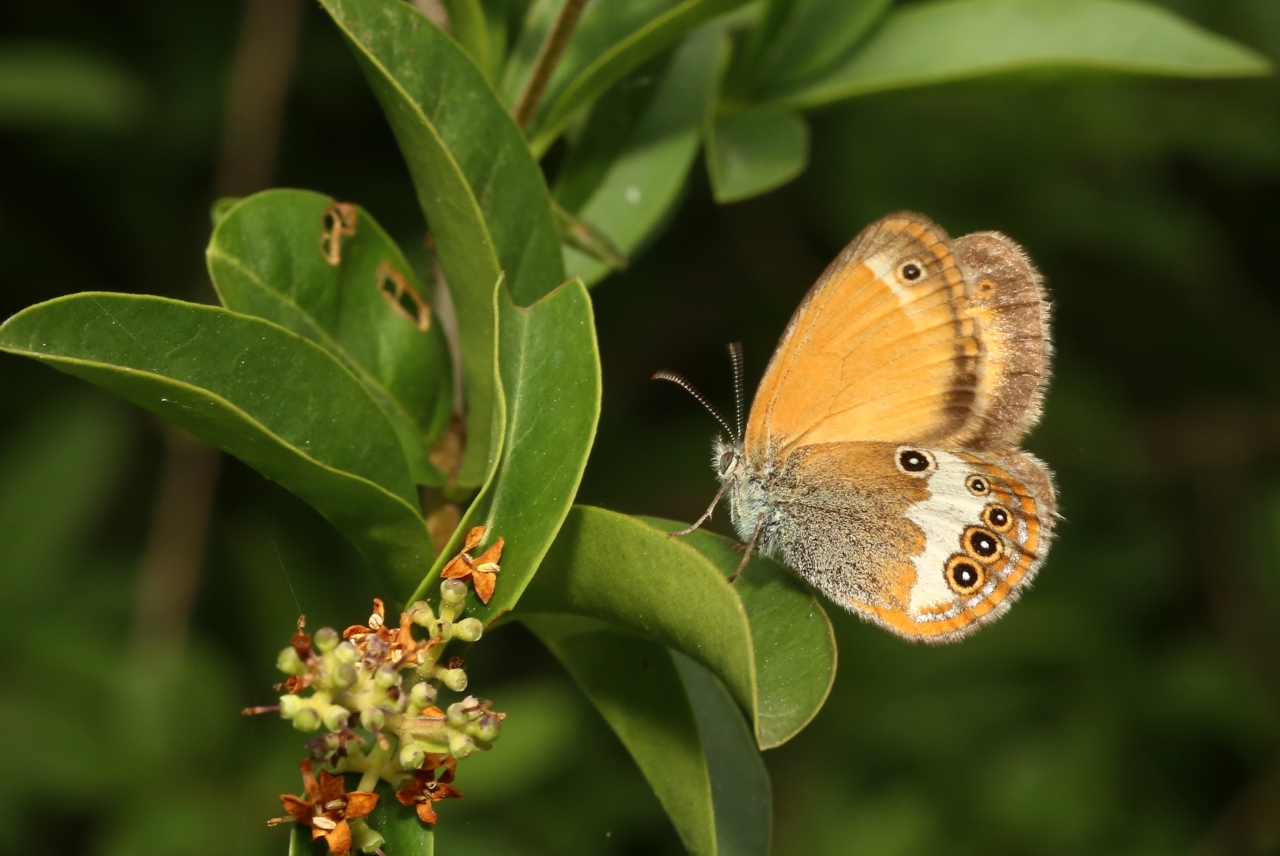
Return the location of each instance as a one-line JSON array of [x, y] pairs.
[[372, 694]]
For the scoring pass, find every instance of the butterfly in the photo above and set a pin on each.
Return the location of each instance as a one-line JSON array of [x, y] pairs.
[[880, 460]]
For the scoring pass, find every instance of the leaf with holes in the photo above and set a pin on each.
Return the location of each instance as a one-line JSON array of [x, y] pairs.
[[327, 271], [280, 403], [484, 196]]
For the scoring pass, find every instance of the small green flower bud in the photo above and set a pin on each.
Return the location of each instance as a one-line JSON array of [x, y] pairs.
[[290, 663], [346, 653], [468, 629], [326, 639], [422, 613], [452, 591], [365, 839], [454, 679], [456, 715], [486, 728], [345, 675], [422, 695], [306, 719], [412, 757], [373, 718], [460, 745], [386, 677], [335, 717], [289, 706]]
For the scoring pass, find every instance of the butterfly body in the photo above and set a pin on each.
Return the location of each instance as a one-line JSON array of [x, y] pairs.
[[880, 459]]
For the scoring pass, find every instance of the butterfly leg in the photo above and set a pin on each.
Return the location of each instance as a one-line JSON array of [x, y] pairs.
[[707, 515], [751, 548]]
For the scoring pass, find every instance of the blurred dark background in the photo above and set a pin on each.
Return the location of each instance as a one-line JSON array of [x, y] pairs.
[[1129, 704]]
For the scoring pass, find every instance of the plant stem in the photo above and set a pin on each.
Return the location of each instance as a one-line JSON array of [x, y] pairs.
[[375, 760], [548, 57]]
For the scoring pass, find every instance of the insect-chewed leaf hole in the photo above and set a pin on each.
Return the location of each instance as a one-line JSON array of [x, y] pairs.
[[403, 297]]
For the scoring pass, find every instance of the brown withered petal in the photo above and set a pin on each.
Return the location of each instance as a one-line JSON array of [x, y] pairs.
[[493, 554], [339, 840], [299, 809], [456, 568], [378, 618], [474, 536], [484, 584], [360, 803]]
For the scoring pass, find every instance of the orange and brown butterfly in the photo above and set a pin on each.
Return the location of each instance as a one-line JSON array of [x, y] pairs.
[[880, 460]]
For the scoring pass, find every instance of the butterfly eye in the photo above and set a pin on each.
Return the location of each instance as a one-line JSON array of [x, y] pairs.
[[915, 461], [981, 544], [977, 485], [726, 461], [911, 271], [964, 575], [997, 517]]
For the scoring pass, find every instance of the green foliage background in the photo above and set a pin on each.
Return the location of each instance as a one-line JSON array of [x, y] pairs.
[[1129, 704]]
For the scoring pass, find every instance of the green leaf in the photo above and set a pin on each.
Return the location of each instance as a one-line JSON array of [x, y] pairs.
[[267, 258], [626, 187], [483, 194], [56, 86], [756, 151], [927, 43], [794, 647], [405, 834], [278, 402], [550, 368], [612, 40], [816, 35], [468, 25], [740, 788], [766, 637], [680, 726]]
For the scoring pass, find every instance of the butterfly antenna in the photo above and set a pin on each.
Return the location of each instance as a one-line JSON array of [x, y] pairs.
[[735, 356], [678, 380]]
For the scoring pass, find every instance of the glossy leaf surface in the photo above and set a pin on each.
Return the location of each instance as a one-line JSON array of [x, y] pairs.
[[753, 152], [680, 726], [612, 40], [925, 43], [630, 183], [630, 574], [550, 369], [815, 35], [269, 257], [278, 402], [485, 200]]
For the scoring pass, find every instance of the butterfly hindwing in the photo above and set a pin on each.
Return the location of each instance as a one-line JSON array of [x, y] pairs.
[[928, 543]]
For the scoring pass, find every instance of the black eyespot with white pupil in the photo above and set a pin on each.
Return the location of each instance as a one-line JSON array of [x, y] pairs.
[[913, 461], [997, 517], [964, 576], [983, 543], [911, 272], [977, 485]]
